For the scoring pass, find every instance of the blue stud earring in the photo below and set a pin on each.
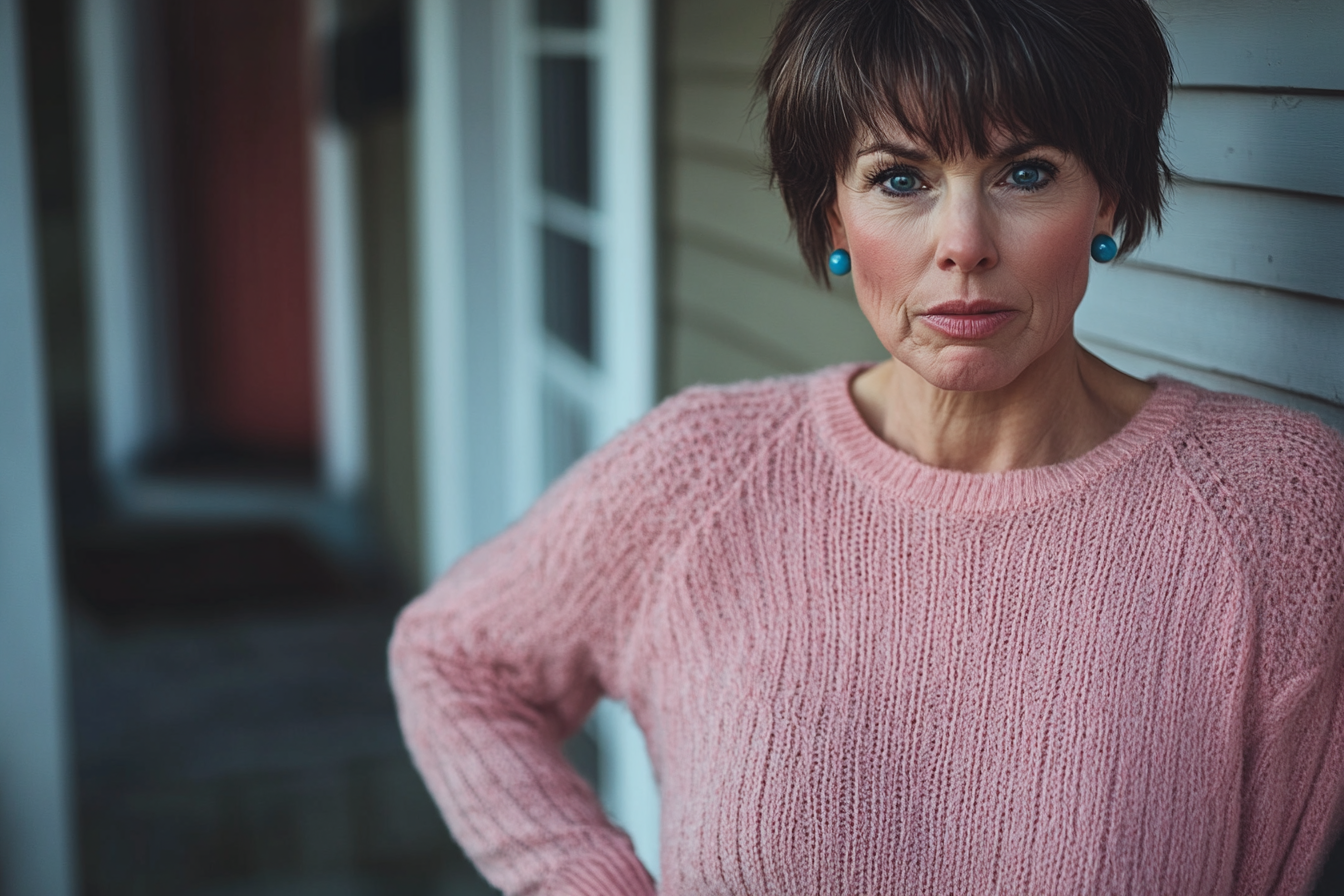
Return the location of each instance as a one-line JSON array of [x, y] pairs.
[[1103, 248], [839, 262]]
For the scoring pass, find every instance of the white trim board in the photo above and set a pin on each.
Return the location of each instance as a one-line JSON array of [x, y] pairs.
[[628, 277], [338, 304], [441, 327]]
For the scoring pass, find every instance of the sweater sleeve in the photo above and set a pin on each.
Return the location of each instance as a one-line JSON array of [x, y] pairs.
[[503, 659], [507, 653], [1282, 494]]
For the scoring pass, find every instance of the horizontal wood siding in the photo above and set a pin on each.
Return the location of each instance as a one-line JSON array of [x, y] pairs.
[[1242, 289], [738, 301], [1281, 44], [1241, 139], [1287, 241]]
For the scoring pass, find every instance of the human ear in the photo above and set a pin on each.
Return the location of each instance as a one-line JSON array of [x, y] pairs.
[[1106, 213], [839, 240]]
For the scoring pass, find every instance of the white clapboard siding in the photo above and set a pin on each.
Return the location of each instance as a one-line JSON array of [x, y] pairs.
[[1271, 140], [780, 311], [1273, 339], [1286, 241], [1146, 366], [1257, 43]]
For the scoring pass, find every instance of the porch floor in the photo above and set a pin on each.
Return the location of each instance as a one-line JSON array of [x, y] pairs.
[[248, 752]]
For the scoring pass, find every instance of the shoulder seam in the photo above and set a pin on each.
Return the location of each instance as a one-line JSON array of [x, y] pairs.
[[1229, 541]]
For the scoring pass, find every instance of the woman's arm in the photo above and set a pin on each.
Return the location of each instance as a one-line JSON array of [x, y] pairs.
[[506, 655], [503, 659]]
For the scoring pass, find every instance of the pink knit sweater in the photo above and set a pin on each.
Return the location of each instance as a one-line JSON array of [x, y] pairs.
[[861, 675]]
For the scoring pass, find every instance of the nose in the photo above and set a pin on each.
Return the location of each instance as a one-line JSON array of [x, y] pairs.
[[965, 236]]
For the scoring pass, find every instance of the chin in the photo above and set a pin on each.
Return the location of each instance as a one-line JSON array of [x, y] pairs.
[[965, 370]]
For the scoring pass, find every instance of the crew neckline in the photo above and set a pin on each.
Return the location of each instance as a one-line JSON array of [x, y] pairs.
[[890, 469]]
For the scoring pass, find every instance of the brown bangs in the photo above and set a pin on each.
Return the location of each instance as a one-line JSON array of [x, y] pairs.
[[1091, 78]]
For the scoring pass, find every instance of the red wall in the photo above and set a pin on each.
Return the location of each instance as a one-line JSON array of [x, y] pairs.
[[238, 116]]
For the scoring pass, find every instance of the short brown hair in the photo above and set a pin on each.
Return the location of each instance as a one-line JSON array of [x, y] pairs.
[[1089, 76]]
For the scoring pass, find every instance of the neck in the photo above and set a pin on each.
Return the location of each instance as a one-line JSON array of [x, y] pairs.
[[1062, 406]]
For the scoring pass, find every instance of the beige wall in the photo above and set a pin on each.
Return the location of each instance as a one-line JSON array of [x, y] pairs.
[[737, 300]]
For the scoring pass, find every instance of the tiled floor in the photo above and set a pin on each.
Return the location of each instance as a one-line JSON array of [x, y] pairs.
[[250, 756]]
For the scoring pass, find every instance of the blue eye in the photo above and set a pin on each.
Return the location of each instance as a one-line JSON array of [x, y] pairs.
[[903, 182], [1026, 176]]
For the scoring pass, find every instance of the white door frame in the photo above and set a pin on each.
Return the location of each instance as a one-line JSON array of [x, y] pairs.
[[130, 349]]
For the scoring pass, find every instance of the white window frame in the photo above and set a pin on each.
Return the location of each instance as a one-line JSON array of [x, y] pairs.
[[621, 387]]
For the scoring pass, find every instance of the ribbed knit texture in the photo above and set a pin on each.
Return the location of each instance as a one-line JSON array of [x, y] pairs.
[[861, 675]]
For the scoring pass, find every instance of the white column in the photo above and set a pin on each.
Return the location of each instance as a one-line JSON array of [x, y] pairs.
[[36, 854], [628, 318], [628, 280], [118, 279], [340, 355], [441, 326]]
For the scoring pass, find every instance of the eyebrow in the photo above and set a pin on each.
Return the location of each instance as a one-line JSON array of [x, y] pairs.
[[905, 151], [901, 150]]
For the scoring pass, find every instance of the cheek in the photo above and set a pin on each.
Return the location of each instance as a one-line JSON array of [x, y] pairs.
[[887, 265], [1052, 256]]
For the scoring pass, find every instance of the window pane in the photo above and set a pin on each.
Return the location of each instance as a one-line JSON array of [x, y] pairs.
[[566, 126], [564, 431], [567, 290], [565, 13]]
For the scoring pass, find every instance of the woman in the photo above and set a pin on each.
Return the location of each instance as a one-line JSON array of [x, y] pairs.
[[990, 616]]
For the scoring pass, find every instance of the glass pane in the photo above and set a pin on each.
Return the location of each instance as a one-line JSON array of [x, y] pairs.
[[564, 431], [566, 127], [566, 13], [567, 290]]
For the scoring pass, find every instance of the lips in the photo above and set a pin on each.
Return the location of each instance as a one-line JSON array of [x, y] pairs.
[[977, 319]]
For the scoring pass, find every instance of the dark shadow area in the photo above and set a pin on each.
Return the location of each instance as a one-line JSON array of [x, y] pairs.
[[1331, 882], [234, 729]]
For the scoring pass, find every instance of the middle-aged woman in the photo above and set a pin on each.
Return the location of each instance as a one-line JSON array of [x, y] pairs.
[[987, 617]]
